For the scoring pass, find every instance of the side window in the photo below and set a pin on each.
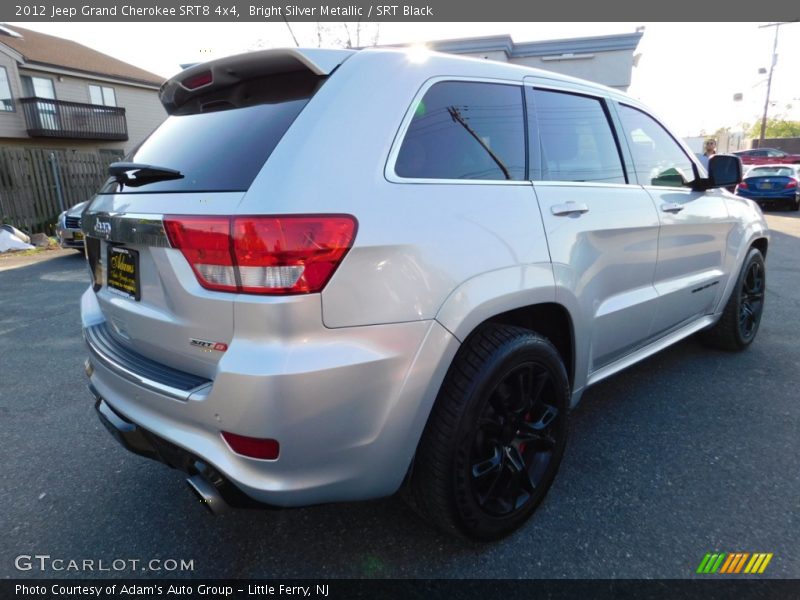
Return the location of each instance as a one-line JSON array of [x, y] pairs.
[[465, 130], [6, 103], [775, 154], [576, 142], [45, 112], [41, 87], [657, 157], [102, 96]]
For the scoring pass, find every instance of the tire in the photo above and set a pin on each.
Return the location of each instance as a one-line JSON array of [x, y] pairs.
[[495, 437], [796, 205], [741, 318]]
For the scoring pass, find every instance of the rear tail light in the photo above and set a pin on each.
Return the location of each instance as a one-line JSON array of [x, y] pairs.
[[265, 449], [791, 184], [741, 186], [206, 244], [263, 254]]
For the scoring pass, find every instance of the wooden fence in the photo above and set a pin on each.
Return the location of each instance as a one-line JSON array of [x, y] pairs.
[[29, 196]]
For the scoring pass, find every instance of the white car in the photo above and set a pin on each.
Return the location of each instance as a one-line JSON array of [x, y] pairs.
[[68, 227]]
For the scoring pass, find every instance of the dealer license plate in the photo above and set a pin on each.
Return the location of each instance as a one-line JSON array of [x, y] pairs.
[[123, 272]]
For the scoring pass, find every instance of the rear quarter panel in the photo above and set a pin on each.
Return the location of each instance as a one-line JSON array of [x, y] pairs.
[[416, 242]]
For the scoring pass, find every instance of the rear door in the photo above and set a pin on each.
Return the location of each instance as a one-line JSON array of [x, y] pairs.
[[694, 225], [602, 228]]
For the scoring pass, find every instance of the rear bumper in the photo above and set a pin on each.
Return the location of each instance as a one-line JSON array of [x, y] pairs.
[[77, 245], [66, 239], [145, 443], [776, 198], [348, 408]]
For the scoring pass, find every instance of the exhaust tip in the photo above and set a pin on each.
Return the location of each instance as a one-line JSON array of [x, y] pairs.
[[208, 495]]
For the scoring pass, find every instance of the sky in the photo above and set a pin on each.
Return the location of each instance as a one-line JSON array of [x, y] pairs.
[[687, 73]]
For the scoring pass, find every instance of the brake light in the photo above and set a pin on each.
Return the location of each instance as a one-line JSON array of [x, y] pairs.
[[294, 254], [791, 184], [265, 449], [741, 186], [197, 81]]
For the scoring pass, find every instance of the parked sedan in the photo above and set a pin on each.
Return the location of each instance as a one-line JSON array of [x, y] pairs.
[[767, 156], [772, 185], [68, 227]]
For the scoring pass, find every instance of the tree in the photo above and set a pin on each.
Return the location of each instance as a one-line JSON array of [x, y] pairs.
[[336, 35], [328, 35], [777, 127], [721, 132], [342, 35]]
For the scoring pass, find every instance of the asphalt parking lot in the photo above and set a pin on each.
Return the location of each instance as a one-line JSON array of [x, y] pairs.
[[692, 451]]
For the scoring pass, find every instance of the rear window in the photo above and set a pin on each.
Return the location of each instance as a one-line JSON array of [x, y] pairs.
[[221, 142], [771, 171], [465, 130], [576, 142]]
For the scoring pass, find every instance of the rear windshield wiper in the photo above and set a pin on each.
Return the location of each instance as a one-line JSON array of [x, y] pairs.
[[137, 174]]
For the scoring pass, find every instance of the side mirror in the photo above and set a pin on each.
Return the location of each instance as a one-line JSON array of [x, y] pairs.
[[724, 170]]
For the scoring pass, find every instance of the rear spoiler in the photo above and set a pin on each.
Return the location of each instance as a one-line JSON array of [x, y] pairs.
[[224, 72]]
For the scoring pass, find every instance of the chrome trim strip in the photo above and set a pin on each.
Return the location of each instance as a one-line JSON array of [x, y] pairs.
[[585, 184], [145, 382], [127, 228], [568, 86]]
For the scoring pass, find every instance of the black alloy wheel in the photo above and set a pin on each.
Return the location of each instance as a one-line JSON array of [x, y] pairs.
[[495, 437], [751, 302], [738, 325], [514, 442]]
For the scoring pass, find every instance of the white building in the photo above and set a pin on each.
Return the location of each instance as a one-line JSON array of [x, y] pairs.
[[607, 59]]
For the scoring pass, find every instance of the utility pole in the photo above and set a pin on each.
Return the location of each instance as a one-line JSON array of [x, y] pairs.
[[769, 79]]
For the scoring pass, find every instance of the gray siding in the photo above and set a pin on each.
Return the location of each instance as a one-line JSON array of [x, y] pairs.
[[143, 111], [12, 124]]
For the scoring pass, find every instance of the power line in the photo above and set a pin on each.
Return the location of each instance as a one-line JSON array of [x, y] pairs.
[[777, 27]]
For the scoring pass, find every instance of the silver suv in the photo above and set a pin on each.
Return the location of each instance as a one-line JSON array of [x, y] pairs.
[[333, 275]]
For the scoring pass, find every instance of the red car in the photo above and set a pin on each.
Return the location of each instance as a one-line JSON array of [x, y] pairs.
[[766, 156]]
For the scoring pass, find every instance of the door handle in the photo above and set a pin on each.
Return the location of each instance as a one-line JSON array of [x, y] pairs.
[[672, 207], [569, 208]]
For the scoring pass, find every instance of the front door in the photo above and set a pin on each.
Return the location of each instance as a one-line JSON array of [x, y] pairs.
[[694, 225]]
